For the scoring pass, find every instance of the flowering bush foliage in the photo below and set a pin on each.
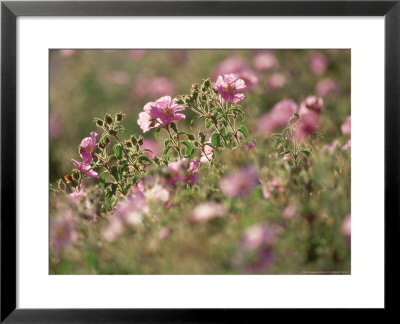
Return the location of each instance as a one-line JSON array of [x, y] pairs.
[[206, 181]]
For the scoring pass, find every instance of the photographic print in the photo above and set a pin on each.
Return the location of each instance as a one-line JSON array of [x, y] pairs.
[[200, 161]]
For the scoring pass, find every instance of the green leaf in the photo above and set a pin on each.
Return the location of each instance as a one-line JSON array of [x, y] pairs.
[[207, 123], [118, 151], [103, 180], [114, 172], [193, 120], [244, 131], [147, 150], [277, 142], [215, 140], [187, 144], [143, 157], [306, 152], [157, 132], [166, 149]]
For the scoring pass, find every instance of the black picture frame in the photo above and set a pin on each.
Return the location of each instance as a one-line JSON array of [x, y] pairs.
[[10, 11]]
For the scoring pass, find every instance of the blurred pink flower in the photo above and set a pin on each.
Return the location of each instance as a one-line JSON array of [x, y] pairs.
[[87, 147], [150, 144], [346, 228], [289, 212], [318, 63], [62, 232], [165, 110], [206, 211], [85, 168], [278, 117], [145, 121], [56, 127], [257, 236], [330, 148], [118, 77], [347, 146], [137, 54], [250, 146], [274, 186], [239, 183], [183, 170], [163, 233], [76, 195], [307, 125], [265, 61], [156, 193], [249, 78], [232, 64], [153, 88], [113, 230], [208, 153], [311, 102], [192, 173], [276, 81], [327, 87], [229, 87], [68, 52], [346, 126]]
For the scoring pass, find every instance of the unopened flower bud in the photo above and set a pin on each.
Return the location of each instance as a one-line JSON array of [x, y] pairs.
[[108, 119], [133, 140], [106, 140], [120, 116], [76, 175], [191, 137], [61, 185], [140, 141], [112, 132], [99, 122], [128, 143], [180, 101]]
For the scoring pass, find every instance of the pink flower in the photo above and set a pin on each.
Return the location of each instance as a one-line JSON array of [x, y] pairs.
[[330, 148], [207, 211], [327, 87], [175, 171], [76, 195], [68, 52], [149, 144], [145, 121], [346, 228], [208, 153], [156, 193], [232, 64], [239, 183], [62, 232], [250, 146], [85, 168], [265, 61], [307, 125], [165, 110], [257, 236], [192, 175], [249, 78], [278, 117], [289, 212], [153, 88], [113, 230], [272, 187], [87, 147], [229, 87], [318, 63], [346, 126], [347, 146], [313, 103], [276, 81]]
